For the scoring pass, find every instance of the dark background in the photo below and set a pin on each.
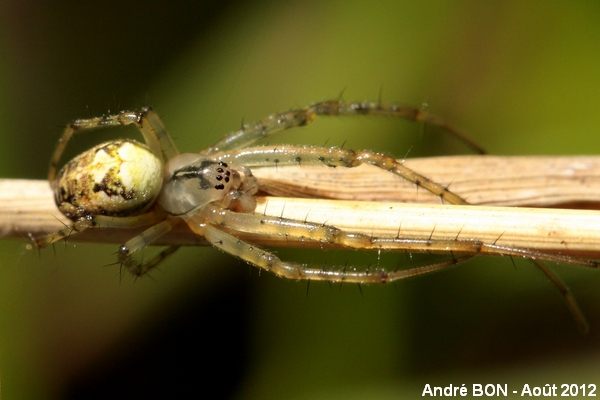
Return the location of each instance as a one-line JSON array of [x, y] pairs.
[[520, 78]]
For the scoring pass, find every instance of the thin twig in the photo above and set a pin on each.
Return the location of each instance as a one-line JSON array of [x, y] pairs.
[[27, 207], [536, 181]]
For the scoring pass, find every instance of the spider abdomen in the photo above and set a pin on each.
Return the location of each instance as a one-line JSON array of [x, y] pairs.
[[117, 178]]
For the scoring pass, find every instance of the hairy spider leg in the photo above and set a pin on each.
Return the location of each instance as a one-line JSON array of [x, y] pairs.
[[274, 124], [253, 132], [256, 224], [98, 221], [267, 261], [333, 157], [144, 239], [572, 305], [146, 120]]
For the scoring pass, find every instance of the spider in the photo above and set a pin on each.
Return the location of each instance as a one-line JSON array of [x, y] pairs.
[[126, 184]]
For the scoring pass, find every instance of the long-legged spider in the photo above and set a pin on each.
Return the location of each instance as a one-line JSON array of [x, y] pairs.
[[125, 184]]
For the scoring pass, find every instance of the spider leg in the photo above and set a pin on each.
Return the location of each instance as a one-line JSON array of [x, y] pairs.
[[334, 157], [127, 250], [336, 108], [251, 133], [96, 221], [256, 224], [269, 262], [292, 155], [580, 319], [146, 120]]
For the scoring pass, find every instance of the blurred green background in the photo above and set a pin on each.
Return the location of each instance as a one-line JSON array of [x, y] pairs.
[[519, 77]]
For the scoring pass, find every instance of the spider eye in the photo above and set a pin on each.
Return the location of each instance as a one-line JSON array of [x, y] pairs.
[[192, 181]]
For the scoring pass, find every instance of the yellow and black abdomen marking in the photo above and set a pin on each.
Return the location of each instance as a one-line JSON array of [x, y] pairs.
[[118, 178]]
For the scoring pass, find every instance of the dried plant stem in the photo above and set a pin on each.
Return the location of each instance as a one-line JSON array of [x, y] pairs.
[[538, 181], [27, 207]]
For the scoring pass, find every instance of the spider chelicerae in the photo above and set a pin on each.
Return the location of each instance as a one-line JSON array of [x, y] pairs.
[[126, 184]]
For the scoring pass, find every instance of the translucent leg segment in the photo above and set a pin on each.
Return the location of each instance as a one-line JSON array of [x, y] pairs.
[[269, 262], [146, 121], [127, 250], [97, 221], [580, 319], [251, 133], [334, 157], [330, 235]]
